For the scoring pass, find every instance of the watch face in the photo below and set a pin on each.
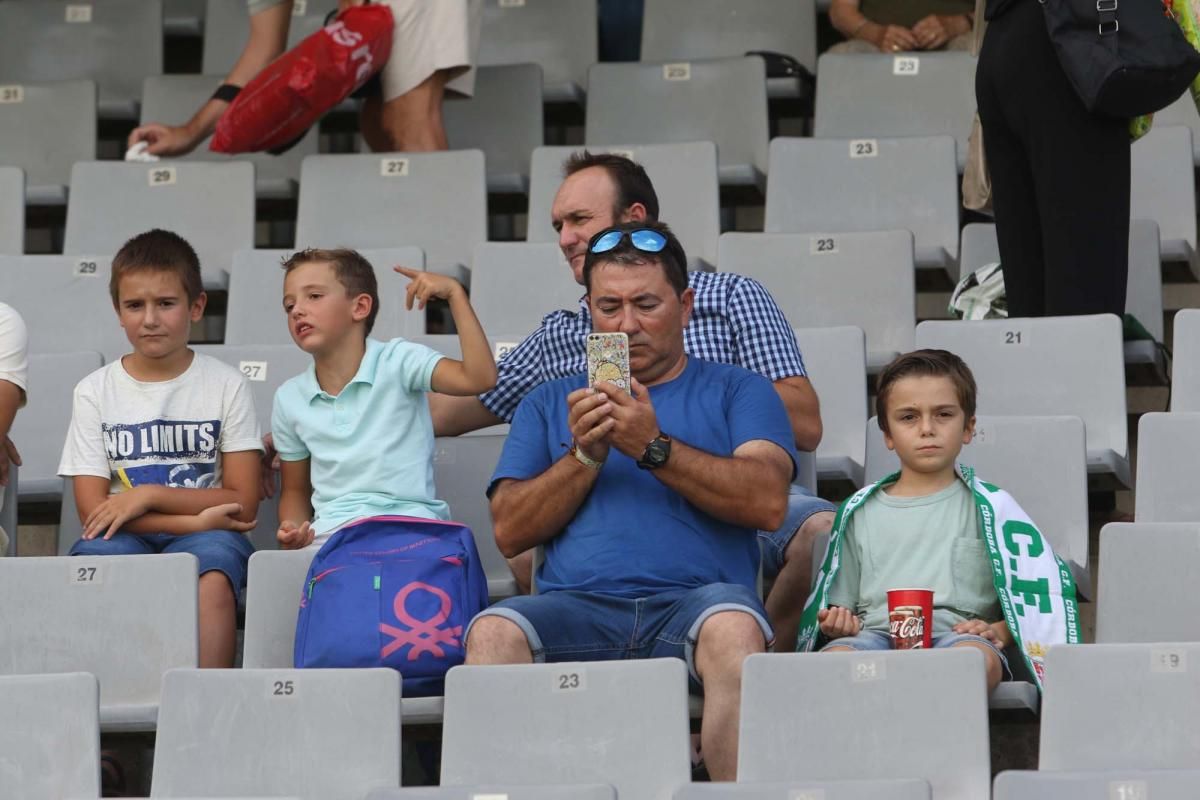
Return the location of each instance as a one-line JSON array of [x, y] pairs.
[[657, 453]]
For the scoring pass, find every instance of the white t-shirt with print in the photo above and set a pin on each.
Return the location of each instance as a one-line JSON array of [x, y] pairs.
[[167, 433]]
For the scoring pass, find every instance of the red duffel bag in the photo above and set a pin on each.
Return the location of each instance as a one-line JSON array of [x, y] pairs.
[[292, 93]]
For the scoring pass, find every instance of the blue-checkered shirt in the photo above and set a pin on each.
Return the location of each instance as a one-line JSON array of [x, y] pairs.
[[734, 321]]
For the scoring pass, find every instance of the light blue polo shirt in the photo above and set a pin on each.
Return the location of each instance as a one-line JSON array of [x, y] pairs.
[[371, 447]]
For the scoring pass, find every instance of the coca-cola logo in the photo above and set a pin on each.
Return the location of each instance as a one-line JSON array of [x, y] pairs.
[[909, 627]]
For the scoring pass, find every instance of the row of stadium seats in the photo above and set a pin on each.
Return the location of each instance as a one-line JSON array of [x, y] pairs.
[[48, 126], [438, 201], [1076, 419], [336, 734], [122, 41]]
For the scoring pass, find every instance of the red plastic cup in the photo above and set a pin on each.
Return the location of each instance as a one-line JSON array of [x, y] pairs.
[[920, 598]]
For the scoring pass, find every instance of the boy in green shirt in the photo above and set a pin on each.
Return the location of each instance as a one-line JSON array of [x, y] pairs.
[[922, 529]]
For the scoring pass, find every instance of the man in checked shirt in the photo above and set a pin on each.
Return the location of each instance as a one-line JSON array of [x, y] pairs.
[[734, 321]]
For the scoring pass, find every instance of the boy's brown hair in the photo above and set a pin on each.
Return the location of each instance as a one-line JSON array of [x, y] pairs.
[[352, 271], [925, 363], [157, 251]]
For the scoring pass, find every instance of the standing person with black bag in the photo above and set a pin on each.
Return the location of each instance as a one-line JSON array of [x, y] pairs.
[[1060, 174]]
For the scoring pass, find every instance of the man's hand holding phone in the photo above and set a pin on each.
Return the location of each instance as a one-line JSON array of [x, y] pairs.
[[590, 420]]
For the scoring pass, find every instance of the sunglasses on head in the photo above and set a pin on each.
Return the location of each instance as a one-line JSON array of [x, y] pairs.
[[643, 239]]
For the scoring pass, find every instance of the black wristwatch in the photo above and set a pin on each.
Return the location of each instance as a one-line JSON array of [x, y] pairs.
[[657, 452]]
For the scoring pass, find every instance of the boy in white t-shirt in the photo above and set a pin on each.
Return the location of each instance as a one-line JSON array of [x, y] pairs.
[[14, 371], [164, 444], [353, 432]]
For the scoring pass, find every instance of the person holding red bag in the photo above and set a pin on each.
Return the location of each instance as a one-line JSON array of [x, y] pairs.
[[433, 47]]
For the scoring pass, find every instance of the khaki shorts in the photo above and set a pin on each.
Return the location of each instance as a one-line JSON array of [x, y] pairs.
[[432, 35], [429, 35]]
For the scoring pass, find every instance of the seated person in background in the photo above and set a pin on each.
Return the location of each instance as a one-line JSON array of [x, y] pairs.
[[929, 526], [648, 504], [14, 370], [353, 431], [734, 320], [164, 446], [893, 26]]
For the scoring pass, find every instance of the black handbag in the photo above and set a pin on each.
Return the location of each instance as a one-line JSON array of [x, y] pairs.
[[1125, 58]]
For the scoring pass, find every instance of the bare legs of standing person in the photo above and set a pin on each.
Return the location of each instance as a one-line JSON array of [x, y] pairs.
[[410, 123]]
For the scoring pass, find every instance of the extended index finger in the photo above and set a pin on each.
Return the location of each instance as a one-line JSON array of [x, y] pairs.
[[407, 272]]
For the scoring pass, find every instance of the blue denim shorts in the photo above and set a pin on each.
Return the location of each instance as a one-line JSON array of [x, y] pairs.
[[880, 640], [224, 551], [583, 626], [802, 504]]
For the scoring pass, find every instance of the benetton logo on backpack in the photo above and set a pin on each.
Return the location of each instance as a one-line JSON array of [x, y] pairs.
[[392, 592], [422, 636]]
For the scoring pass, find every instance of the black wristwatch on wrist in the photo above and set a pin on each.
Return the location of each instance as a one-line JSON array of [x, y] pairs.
[[656, 453]]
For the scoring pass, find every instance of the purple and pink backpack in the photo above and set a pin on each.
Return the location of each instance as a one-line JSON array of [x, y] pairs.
[[392, 592]]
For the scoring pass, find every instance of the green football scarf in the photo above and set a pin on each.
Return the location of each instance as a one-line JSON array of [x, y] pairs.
[[1035, 587]]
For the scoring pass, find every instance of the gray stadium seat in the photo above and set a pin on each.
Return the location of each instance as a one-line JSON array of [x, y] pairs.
[[1147, 573], [1167, 444], [256, 316], [50, 739], [84, 311], [723, 100], [8, 514], [623, 723], [435, 201], [1185, 378], [40, 431], [819, 280], [683, 30], [515, 284], [1143, 290], [834, 359], [1075, 362], [1182, 112], [318, 734], [125, 619], [172, 99], [558, 35], [12, 210], [1181, 784], [503, 119], [45, 129], [462, 469], [210, 205], [560, 792], [273, 587], [116, 43], [227, 26], [1163, 189], [887, 96], [869, 705], [684, 177], [183, 17], [1121, 706], [274, 584], [898, 789], [1051, 488], [855, 185], [266, 367]]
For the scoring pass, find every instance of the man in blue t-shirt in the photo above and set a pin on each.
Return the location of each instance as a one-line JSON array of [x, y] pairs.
[[647, 504]]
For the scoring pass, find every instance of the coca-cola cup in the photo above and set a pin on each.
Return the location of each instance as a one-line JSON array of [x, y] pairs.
[[910, 617]]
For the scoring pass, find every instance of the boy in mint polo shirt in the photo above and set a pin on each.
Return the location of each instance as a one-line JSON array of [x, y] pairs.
[[935, 525], [353, 432]]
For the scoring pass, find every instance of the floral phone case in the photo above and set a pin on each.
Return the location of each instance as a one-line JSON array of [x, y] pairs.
[[608, 359]]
